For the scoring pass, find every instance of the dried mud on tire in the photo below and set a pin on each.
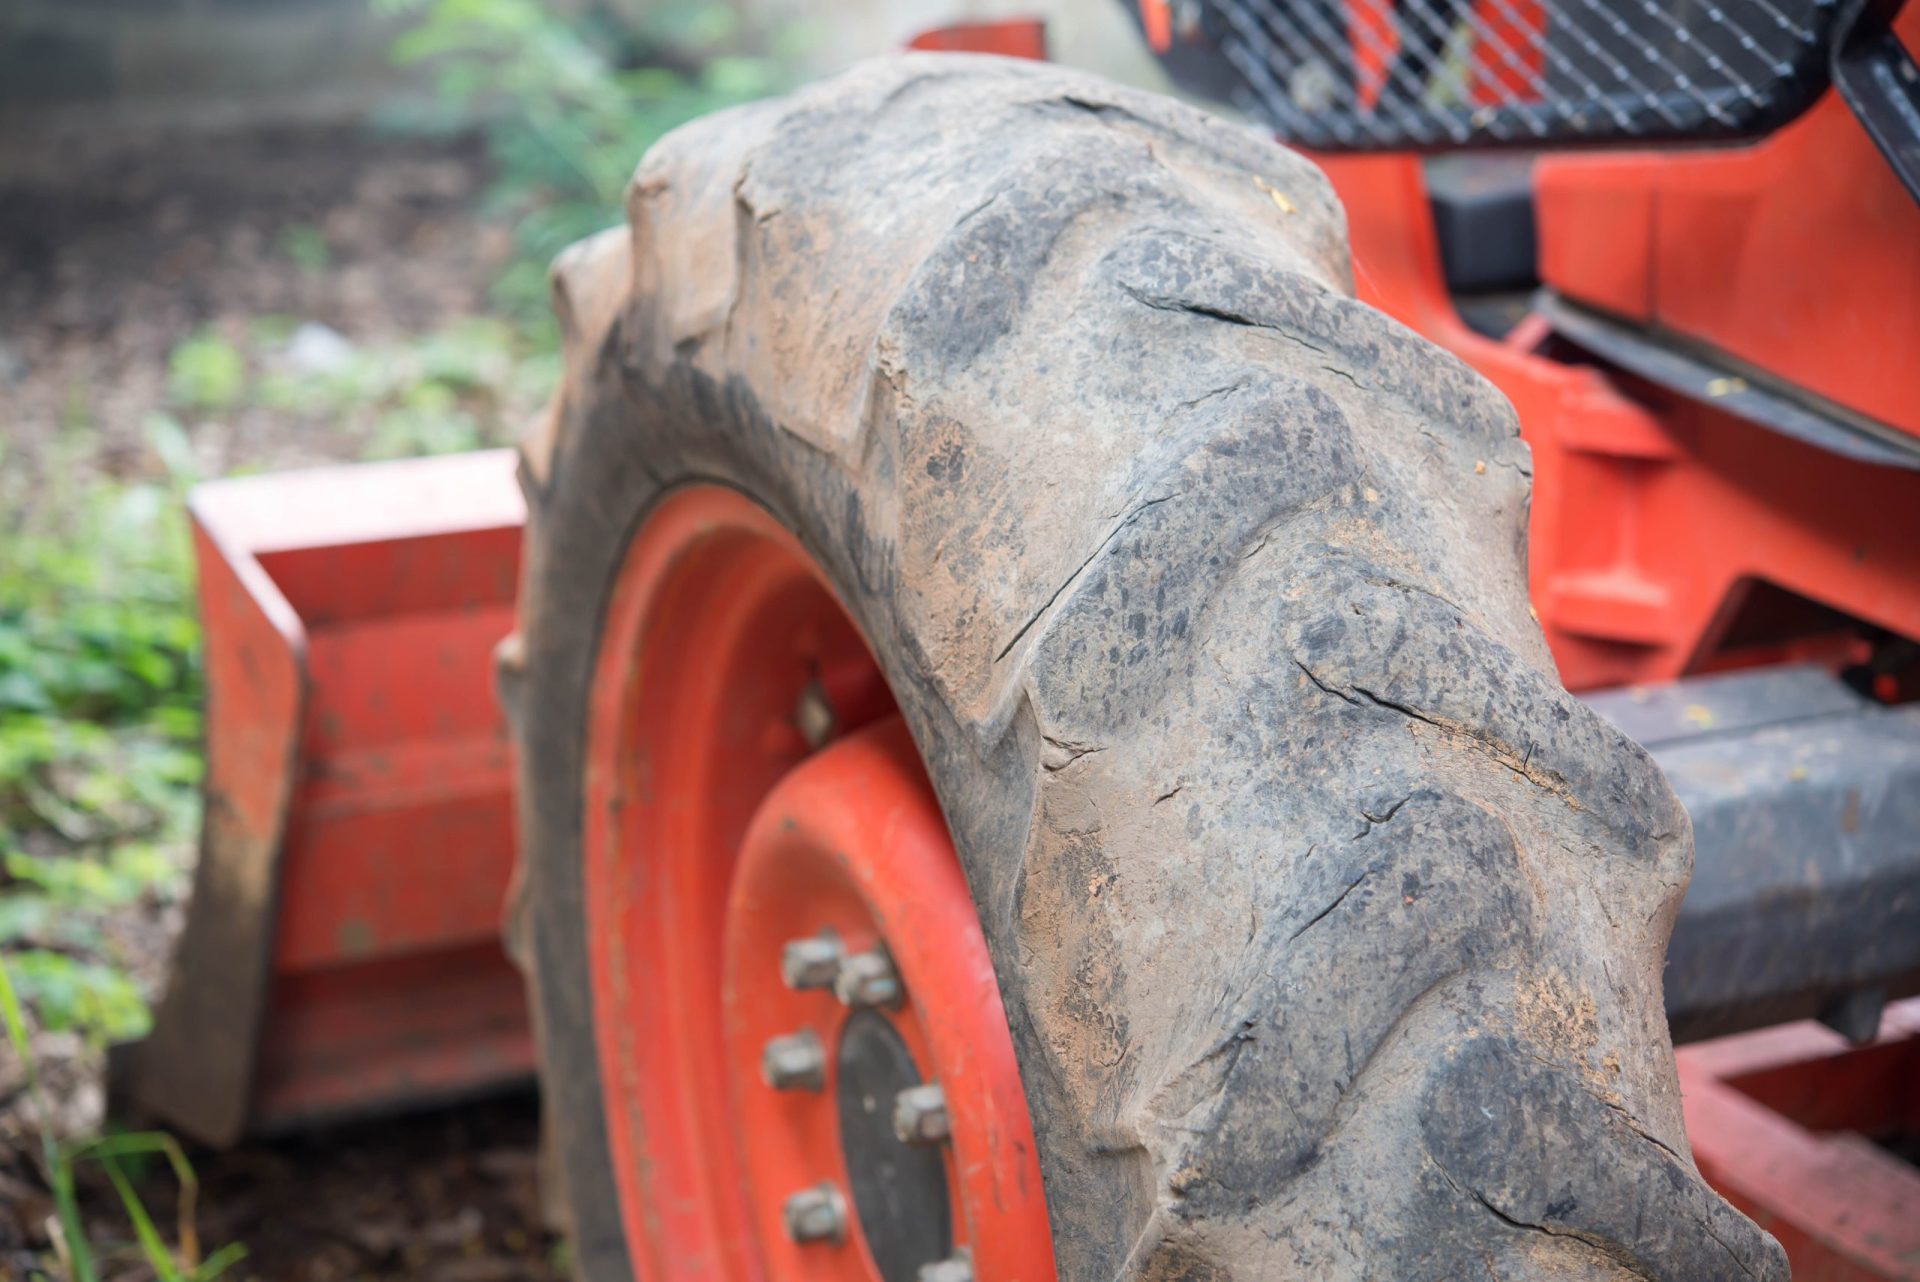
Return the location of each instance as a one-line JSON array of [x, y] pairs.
[[1329, 926]]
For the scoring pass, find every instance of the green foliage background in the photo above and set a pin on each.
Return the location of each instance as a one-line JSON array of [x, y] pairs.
[[100, 692], [100, 683], [100, 678], [569, 107]]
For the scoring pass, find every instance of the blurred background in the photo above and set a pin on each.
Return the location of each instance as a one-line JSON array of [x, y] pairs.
[[246, 235]]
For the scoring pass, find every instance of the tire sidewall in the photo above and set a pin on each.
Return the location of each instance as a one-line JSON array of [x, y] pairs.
[[621, 460]]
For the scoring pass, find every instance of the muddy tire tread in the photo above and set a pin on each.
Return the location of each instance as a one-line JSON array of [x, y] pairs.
[[1328, 924]]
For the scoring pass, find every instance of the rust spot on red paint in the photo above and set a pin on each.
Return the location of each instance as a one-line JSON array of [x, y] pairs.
[[355, 938]]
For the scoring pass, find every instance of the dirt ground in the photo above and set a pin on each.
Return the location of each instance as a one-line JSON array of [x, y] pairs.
[[449, 1196], [110, 257]]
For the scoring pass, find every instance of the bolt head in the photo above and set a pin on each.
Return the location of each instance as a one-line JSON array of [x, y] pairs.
[[813, 716], [816, 1214], [955, 1268], [795, 1062], [920, 1114], [810, 963], [867, 979]]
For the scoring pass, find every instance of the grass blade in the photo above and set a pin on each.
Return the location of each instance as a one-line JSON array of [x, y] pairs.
[[159, 1259], [219, 1262], [140, 1143], [16, 1022], [59, 1164]]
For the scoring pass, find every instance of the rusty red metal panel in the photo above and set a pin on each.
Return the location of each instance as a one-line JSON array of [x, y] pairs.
[[342, 952], [1784, 1122]]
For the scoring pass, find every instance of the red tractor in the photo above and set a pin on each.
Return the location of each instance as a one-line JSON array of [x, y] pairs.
[[1030, 751]]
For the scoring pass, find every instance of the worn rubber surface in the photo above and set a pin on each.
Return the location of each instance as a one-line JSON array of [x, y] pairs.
[[1329, 925]]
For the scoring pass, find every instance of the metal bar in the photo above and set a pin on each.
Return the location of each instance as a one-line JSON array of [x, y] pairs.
[[1805, 800]]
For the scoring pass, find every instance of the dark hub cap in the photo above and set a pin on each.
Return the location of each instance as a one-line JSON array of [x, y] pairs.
[[899, 1192]]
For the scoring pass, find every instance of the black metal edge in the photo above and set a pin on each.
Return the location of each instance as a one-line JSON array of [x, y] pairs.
[[1691, 369], [1806, 886], [1878, 80]]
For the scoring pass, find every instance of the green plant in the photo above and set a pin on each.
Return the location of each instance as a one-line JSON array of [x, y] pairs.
[[568, 107], [61, 1160], [74, 993], [306, 245], [99, 721], [206, 373], [468, 385]]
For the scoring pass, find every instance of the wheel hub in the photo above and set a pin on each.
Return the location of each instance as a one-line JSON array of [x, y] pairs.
[[848, 859], [806, 1069], [900, 1193]]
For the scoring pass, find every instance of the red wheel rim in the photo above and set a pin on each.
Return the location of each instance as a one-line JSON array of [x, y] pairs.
[[734, 802]]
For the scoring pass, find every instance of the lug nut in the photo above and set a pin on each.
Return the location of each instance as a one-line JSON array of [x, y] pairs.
[[920, 1114], [957, 1267], [817, 1214], [810, 963], [867, 979], [794, 1063]]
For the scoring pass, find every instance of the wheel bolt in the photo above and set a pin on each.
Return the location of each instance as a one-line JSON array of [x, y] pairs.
[[810, 963], [867, 979], [813, 716], [794, 1063], [817, 1214], [957, 1267], [920, 1114]]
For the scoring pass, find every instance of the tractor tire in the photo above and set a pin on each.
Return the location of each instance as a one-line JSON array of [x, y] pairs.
[[1329, 927]]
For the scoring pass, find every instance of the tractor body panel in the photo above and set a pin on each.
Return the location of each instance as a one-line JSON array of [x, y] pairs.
[[1670, 533], [1779, 1121], [1793, 262]]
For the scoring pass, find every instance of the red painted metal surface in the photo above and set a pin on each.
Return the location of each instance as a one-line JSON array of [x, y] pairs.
[[1663, 530], [717, 628], [1156, 21], [1798, 255], [853, 841], [342, 953], [1789, 1122], [196, 1067], [1011, 38]]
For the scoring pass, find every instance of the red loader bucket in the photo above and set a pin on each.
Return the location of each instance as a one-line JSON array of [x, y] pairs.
[[342, 952]]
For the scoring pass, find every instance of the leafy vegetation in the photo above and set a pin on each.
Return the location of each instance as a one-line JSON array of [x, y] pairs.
[[100, 678], [463, 387], [99, 723], [206, 373], [100, 691], [113, 1154], [568, 107], [100, 684]]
